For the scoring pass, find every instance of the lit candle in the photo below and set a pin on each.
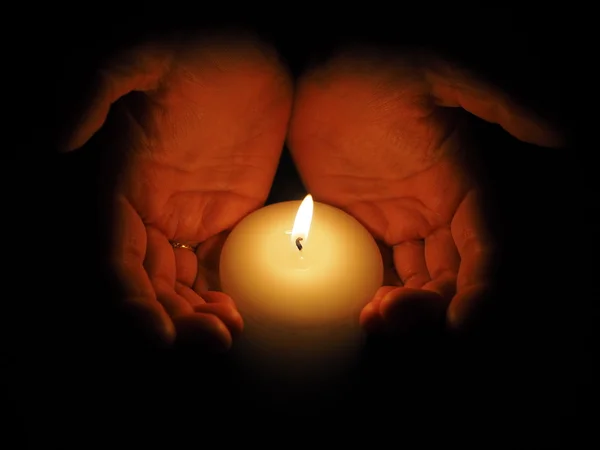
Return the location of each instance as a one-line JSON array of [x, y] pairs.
[[299, 273]]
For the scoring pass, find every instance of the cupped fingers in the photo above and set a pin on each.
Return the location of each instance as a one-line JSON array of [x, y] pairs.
[[211, 329], [468, 308], [140, 302], [370, 316], [409, 260], [475, 275], [406, 310], [417, 304], [398, 310], [186, 266], [161, 267], [403, 309], [443, 261], [216, 303], [203, 329], [137, 291]]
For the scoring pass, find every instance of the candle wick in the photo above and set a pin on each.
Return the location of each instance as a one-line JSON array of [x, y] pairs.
[[298, 244]]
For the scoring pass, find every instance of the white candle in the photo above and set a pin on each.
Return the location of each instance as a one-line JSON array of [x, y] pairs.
[[300, 273]]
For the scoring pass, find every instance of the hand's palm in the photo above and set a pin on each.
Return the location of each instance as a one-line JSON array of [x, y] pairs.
[[373, 138], [201, 139]]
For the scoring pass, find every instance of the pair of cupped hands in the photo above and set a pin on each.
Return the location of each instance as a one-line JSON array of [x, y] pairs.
[[202, 126]]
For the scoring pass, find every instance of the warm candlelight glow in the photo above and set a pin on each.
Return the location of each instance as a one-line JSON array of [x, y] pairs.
[[302, 222], [300, 303]]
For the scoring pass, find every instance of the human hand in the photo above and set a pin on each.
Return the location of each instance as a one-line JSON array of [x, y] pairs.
[[200, 126], [381, 138]]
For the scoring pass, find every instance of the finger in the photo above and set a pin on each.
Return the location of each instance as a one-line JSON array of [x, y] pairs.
[[186, 266], [217, 303], [390, 276], [203, 330], [192, 328], [407, 310], [223, 306], [129, 249], [160, 265], [189, 294], [370, 316], [467, 310], [409, 259], [218, 297], [139, 69], [454, 87], [476, 251], [428, 272], [228, 314], [199, 329], [206, 279], [208, 254], [443, 260]]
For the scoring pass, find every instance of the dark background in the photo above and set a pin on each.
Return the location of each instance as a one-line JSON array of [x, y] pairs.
[[75, 374]]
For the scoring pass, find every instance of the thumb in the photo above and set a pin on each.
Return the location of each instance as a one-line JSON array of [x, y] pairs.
[[138, 69], [455, 87]]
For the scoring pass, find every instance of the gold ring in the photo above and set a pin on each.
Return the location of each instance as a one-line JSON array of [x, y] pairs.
[[176, 244]]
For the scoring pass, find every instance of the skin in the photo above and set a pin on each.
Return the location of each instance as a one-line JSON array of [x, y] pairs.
[[201, 134], [379, 137], [200, 137]]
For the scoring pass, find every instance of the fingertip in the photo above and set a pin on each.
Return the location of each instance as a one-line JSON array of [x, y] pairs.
[[240, 328], [394, 302], [204, 331], [368, 311], [233, 320], [217, 297], [370, 320], [466, 310], [224, 308], [236, 323], [407, 309], [166, 332], [73, 143], [89, 123], [380, 295], [155, 325], [370, 317], [65, 148], [556, 139]]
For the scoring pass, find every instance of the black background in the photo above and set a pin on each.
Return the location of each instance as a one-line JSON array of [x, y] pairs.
[[75, 375]]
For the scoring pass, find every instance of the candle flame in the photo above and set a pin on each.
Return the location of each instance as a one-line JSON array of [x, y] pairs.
[[303, 219]]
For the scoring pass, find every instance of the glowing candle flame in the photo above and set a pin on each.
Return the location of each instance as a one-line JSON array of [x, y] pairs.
[[303, 220]]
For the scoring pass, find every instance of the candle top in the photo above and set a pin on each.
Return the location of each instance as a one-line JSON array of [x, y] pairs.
[[330, 275]]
